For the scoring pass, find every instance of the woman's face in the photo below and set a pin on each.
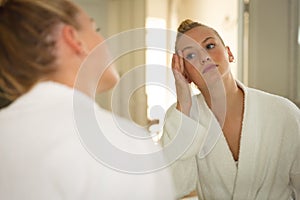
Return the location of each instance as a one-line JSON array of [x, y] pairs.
[[205, 57], [96, 57], [88, 31]]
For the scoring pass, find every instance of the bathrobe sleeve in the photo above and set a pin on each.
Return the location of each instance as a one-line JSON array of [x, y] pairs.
[[180, 127], [293, 121], [295, 170], [74, 175], [295, 178]]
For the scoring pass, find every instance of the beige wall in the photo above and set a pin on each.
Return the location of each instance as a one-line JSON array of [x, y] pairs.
[[272, 46]]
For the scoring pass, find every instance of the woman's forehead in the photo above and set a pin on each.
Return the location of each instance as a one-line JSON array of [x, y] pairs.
[[195, 37]]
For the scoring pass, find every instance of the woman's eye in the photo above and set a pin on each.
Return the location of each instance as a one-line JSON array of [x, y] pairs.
[[210, 46], [190, 56]]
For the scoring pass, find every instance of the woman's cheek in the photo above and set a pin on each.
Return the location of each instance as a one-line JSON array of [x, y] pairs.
[[191, 71], [192, 64]]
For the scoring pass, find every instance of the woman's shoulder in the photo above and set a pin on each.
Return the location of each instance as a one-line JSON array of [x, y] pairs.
[[272, 102]]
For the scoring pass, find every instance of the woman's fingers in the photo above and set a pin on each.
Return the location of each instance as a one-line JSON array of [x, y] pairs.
[[178, 66], [182, 85], [180, 61], [178, 76], [175, 63]]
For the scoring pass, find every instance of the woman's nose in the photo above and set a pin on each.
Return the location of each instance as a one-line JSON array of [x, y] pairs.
[[205, 59]]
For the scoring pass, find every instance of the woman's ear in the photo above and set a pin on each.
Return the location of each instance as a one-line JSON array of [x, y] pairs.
[[230, 55], [71, 38]]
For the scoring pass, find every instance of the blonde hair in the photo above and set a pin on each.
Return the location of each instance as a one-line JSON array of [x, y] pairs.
[[26, 46], [189, 24]]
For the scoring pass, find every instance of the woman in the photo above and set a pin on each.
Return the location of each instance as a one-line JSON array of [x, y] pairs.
[[46, 73], [250, 151]]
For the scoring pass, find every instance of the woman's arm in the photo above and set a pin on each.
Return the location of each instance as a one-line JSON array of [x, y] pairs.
[[182, 132], [295, 170], [295, 181]]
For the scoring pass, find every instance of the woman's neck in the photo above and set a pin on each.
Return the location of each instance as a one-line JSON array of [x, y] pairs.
[[227, 90], [224, 98]]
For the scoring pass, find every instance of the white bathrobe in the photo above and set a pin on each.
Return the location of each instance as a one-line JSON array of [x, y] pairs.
[[269, 157], [42, 156]]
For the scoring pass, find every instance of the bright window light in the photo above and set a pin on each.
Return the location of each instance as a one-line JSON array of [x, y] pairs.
[[159, 97]]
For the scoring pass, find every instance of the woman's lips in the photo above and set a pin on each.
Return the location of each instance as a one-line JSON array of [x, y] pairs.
[[209, 67]]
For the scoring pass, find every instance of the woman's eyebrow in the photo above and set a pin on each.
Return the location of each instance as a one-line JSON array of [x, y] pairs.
[[208, 38], [186, 48]]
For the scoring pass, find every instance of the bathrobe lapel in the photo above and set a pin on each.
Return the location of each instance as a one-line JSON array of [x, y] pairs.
[[217, 171], [249, 147], [234, 178], [238, 178]]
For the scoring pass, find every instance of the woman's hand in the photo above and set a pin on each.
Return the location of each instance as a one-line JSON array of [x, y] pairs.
[[184, 100]]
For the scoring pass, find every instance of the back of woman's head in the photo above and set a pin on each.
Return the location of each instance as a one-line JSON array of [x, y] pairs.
[[27, 42]]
